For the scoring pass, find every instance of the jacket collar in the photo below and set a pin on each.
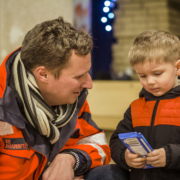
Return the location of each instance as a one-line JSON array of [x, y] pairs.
[[173, 93], [9, 110]]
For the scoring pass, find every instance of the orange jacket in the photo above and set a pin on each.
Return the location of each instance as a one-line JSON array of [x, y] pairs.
[[158, 119], [25, 154]]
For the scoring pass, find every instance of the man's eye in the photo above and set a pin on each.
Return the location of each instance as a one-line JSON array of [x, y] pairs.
[[79, 76]]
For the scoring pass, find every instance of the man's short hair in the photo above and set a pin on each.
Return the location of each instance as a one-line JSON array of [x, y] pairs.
[[50, 44], [154, 45]]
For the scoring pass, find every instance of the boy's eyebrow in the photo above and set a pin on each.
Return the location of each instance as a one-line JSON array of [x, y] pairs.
[[161, 69], [158, 69], [139, 73]]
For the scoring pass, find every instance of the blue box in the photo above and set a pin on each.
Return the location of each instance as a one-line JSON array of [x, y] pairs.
[[137, 144]]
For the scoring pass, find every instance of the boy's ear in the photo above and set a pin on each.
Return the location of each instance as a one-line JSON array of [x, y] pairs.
[[178, 67]]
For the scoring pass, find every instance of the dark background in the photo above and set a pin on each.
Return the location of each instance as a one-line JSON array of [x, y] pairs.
[[102, 39]]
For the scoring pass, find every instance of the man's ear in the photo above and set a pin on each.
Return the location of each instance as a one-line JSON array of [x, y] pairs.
[[178, 67], [41, 73]]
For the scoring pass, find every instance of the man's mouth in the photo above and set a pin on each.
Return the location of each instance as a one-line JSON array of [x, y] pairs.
[[77, 93]]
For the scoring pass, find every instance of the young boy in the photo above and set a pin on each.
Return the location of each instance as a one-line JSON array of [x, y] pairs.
[[155, 55]]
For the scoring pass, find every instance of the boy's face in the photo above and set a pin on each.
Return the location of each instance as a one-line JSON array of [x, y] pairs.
[[157, 78]]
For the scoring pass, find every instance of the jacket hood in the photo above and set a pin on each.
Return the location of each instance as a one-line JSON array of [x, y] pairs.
[[173, 93], [9, 110]]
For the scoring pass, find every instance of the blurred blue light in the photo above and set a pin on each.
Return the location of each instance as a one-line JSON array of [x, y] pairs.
[[112, 5], [104, 19], [114, 0], [111, 15], [106, 9], [107, 3], [108, 28]]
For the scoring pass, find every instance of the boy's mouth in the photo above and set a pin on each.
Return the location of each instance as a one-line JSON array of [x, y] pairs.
[[155, 89]]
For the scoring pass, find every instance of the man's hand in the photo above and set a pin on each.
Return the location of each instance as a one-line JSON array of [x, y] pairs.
[[133, 160], [78, 178], [157, 158], [61, 168]]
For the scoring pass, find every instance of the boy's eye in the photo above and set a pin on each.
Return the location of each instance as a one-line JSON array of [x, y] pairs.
[[142, 76], [157, 74]]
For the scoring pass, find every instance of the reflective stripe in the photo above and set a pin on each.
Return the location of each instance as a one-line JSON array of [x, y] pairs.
[[87, 117], [100, 151], [93, 140], [99, 138]]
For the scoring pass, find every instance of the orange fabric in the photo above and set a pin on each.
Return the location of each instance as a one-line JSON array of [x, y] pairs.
[[3, 76], [94, 154], [18, 163], [85, 108], [85, 131], [141, 112], [166, 115], [21, 164], [11, 167]]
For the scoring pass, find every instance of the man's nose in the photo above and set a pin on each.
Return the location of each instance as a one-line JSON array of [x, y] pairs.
[[87, 82]]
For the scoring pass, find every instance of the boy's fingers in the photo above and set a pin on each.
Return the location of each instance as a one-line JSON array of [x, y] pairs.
[[155, 163], [151, 154], [133, 156], [152, 159], [139, 165], [139, 160], [156, 152]]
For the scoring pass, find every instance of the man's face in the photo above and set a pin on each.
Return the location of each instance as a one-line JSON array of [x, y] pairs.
[[72, 80], [157, 78]]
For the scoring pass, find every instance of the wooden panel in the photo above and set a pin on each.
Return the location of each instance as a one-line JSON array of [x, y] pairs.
[[109, 100]]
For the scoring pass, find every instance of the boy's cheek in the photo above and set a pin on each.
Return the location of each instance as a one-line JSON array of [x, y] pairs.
[[143, 84]]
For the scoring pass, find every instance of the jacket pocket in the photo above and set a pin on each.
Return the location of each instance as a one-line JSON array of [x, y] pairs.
[[16, 147], [17, 160]]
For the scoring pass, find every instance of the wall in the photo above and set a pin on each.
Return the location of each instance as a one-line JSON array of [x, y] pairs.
[[135, 16], [19, 16]]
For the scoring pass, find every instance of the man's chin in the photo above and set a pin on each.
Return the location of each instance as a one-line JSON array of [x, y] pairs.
[[72, 101]]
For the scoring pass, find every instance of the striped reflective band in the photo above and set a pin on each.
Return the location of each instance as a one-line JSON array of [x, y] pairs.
[[93, 140], [99, 138]]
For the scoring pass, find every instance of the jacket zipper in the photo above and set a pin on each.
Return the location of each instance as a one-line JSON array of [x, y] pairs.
[[152, 131], [152, 122], [43, 156]]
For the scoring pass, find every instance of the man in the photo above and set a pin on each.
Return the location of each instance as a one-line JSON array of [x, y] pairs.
[[46, 130]]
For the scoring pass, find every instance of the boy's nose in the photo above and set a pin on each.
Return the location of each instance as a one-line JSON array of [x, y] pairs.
[[151, 80]]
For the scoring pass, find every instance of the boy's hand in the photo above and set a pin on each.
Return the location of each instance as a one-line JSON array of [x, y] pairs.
[[133, 160], [157, 158]]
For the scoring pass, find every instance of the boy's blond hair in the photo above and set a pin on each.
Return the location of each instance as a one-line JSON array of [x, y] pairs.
[[154, 45]]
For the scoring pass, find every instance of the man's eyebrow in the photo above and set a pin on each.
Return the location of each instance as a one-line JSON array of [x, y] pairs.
[[84, 72], [87, 71]]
